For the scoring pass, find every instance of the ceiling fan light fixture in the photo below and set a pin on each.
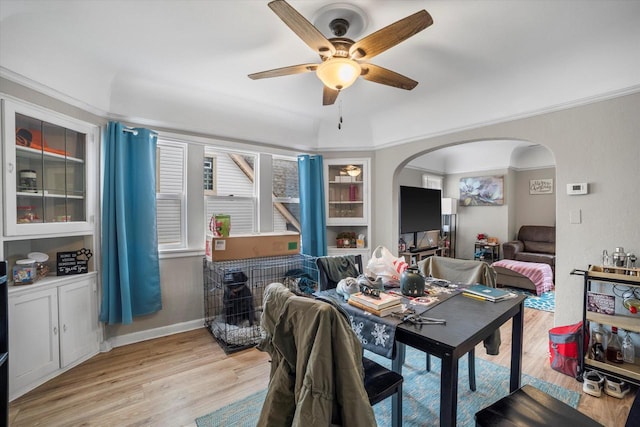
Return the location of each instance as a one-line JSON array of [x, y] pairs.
[[353, 170], [338, 73]]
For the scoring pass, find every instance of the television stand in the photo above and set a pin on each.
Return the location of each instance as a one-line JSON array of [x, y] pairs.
[[423, 249], [420, 253]]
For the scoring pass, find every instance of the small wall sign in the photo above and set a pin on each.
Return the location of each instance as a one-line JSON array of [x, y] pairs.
[[541, 186], [74, 262]]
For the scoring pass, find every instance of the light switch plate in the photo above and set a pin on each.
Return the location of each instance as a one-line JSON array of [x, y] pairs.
[[575, 216]]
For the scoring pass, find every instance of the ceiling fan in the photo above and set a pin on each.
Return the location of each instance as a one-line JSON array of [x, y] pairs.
[[342, 58]]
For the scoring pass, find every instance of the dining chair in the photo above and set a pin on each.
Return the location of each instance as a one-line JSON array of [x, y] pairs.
[[315, 351], [463, 272], [332, 269]]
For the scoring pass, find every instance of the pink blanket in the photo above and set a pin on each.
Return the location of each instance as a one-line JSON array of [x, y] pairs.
[[539, 273]]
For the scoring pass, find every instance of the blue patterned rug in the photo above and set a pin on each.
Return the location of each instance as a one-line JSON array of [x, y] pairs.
[[544, 302], [421, 399]]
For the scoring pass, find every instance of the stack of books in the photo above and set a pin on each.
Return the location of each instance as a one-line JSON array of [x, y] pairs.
[[486, 293], [382, 306]]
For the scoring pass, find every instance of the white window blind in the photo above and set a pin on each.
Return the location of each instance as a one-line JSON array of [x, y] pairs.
[[235, 190], [171, 195]]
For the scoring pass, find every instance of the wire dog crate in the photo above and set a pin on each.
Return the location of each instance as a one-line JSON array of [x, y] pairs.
[[233, 294]]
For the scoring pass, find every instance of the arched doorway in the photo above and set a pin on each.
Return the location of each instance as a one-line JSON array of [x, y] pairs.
[[517, 162]]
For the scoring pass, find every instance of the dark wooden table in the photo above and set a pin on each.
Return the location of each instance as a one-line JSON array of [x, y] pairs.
[[469, 322]]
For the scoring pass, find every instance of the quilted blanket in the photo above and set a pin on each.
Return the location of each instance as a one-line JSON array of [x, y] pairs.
[[539, 273]]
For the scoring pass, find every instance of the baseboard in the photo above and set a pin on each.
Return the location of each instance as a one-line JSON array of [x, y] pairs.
[[151, 334]]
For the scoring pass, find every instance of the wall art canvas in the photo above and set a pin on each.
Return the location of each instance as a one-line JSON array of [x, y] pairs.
[[541, 186], [482, 191]]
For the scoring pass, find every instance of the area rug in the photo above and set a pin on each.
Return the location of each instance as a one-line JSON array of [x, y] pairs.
[[545, 302], [421, 397]]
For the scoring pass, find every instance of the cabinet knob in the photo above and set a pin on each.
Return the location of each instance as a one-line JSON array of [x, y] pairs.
[[64, 328], [55, 330], [10, 167]]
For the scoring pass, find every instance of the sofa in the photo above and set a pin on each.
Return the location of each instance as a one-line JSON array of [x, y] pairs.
[[535, 243]]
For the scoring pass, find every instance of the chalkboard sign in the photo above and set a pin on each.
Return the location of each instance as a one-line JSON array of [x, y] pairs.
[[74, 262]]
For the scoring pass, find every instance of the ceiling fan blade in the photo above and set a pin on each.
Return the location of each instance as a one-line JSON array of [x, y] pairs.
[[329, 95], [284, 71], [391, 35], [303, 28], [377, 74]]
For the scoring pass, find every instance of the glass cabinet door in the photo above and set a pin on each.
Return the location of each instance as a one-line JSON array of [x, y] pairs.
[[346, 193], [45, 172]]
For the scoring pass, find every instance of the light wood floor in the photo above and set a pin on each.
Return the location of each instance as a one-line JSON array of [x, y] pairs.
[[172, 380]]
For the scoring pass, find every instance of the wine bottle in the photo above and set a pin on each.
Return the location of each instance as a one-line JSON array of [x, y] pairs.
[[614, 347]]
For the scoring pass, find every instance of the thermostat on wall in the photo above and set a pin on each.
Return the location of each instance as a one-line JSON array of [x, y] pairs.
[[575, 189]]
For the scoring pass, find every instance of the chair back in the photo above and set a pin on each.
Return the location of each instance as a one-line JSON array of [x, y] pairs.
[[458, 270], [315, 354], [465, 272], [332, 269]]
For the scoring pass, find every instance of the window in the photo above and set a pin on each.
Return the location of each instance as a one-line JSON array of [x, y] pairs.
[[431, 181], [234, 194], [196, 180], [286, 195], [171, 194]]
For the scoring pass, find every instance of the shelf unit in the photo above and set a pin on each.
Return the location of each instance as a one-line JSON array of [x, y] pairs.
[[347, 195], [50, 185], [49, 163], [601, 280], [413, 258], [486, 251]]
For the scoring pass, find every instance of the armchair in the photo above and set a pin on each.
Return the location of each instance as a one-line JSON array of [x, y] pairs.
[[535, 243]]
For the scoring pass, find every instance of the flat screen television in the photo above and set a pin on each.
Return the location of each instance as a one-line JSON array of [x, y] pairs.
[[420, 209]]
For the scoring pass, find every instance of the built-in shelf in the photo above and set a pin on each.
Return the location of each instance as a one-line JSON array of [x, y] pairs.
[[347, 203]]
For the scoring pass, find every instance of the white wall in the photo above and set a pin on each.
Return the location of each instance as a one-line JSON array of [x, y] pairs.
[[534, 209], [595, 143]]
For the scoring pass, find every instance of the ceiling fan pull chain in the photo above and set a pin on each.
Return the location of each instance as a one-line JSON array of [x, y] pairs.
[[340, 114]]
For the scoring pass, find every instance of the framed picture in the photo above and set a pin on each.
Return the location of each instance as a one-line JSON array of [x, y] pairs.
[[601, 303], [482, 191], [541, 186]]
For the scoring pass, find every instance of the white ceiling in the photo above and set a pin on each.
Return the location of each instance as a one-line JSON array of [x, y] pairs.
[[184, 64]]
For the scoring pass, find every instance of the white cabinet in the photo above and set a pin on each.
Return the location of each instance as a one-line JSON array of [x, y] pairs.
[[78, 320], [52, 328], [348, 195], [49, 183], [33, 338], [49, 172]]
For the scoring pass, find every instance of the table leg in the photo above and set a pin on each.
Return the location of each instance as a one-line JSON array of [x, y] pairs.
[[448, 391], [398, 360], [516, 349]]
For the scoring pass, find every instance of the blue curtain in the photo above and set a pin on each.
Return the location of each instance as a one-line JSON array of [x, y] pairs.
[[130, 270], [312, 217]]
